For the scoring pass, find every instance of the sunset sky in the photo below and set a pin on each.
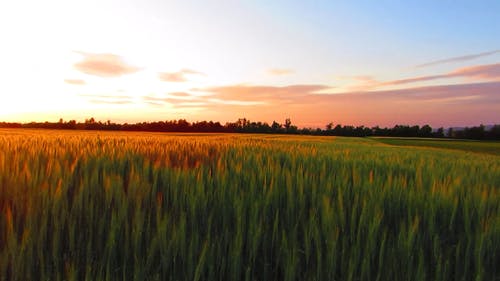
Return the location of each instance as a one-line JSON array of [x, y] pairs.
[[349, 62]]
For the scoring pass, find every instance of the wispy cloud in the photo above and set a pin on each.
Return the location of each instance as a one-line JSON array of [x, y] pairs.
[[175, 101], [77, 82], [458, 59], [179, 76], [280, 71], [445, 93], [264, 93], [183, 99], [175, 97], [363, 82], [108, 99], [362, 78], [180, 94], [106, 96], [308, 93], [436, 105], [412, 80], [172, 77], [479, 72], [488, 72], [216, 101], [103, 101], [104, 65]]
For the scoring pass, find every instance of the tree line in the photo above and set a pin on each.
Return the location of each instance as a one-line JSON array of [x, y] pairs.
[[244, 125]]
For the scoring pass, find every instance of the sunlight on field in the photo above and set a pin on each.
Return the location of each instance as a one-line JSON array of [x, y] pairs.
[[152, 206]]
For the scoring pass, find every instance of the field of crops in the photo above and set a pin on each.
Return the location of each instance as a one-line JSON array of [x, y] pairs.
[[488, 147], [144, 206]]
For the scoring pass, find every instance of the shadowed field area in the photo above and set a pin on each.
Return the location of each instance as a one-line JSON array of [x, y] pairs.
[[487, 147], [152, 206]]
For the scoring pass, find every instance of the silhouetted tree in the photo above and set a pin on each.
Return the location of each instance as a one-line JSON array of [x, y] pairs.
[[243, 125], [450, 133], [329, 126], [439, 133], [288, 123], [425, 132], [494, 133], [276, 127]]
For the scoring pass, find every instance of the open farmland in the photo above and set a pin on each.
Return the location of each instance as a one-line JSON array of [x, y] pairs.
[[488, 147], [144, 206]]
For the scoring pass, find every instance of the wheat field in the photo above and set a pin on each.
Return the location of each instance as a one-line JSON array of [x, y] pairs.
[[146, 206]]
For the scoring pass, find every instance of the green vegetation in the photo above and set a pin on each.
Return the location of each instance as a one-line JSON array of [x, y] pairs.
[[130, 206], [489, 147]]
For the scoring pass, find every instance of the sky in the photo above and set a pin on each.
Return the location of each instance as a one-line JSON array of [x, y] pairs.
[[347, 62]]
